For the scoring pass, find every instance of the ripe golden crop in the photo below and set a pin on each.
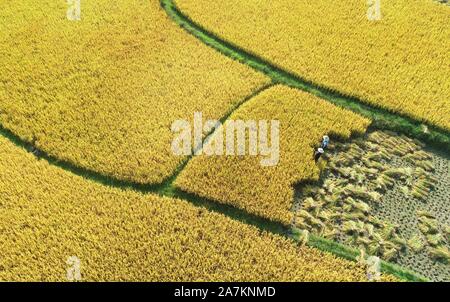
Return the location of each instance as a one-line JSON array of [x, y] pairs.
[[103, 92], [267, 191], [48, 215], [400, 62]]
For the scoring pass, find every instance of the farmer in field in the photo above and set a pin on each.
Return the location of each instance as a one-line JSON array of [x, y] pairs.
[[321, 150], [317, 154], [325, 142]]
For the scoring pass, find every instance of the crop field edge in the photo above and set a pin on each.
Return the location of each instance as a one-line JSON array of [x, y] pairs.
[[382, 118]]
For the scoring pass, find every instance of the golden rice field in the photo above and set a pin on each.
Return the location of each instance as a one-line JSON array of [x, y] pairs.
[[241, 181], [400, 62], [48, 215], [102, 93], [88, 170]]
